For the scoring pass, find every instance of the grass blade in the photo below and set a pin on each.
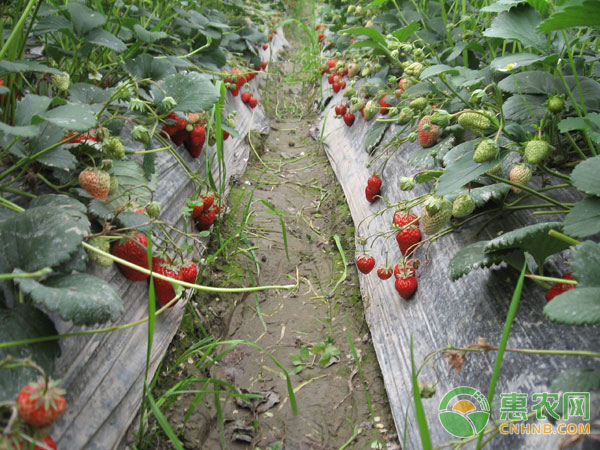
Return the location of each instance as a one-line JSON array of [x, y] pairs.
[[163, 422], [420, 411]]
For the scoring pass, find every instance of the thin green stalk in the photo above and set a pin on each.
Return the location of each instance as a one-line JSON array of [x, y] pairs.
[[17, 29], [563, 237], [37, 274], [419, 409], [510, 317], [528, 190]]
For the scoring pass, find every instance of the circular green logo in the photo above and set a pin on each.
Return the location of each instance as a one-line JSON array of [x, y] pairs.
[[464, 412]]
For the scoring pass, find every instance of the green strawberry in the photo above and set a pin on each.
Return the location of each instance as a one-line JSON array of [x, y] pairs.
[[435, 214], [418, 104], [350, 92], [486, 150], [140, 134], [474, 121], [407, 183], [555, 104], [536, 151], [520, 174], [153, 209], [114, 147], [61, 82], [463, 205], [371, 109], [406, 114], [354, 107], [114, 185], [441, 118], [414, 69], [101, 244]]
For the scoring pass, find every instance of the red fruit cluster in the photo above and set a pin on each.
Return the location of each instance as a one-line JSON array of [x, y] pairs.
[[132, 250], [250, 99], [559, 288], [373, 188], [238, 78], [192, 135], [365, 263], [406, 282], [340, 110], [206, 213], [84, 137], [408, 236], [164, 289], [384, 106]]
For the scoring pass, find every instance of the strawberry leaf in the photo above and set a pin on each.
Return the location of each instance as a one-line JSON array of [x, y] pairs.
[[576, 380], [192, 92], [585, 176], [584, 218], [375, 135], [533, 239], [80, 297], [470, 258], [25, 322], [586, 264], [580, 306], [518, 24]]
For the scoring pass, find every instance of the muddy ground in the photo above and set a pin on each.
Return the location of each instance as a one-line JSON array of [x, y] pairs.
[[341, 400]]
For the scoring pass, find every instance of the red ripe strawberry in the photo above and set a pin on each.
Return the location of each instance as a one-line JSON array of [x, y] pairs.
[[265, 46], [559, 288], [330, 79], [370, 195], [189, 272], [246, 96], [40, 404], [384, 272], [196, 140], [275, 31], [132, 250], [263, 65], [180, 137], [349, 118], [179, 124], [205, 220], [340, 110], [337, 78], [208, 199], [428, 132], [402, 219], [343, 85], [406, 287], [374, 183], [48, 443], [384, 106], [253, 102], [321, 37], [365, 263], [404, 270], [95, 182], [164, 289], [336, 87], [225, 135], [407, 238], [332, 63], [270, 37]]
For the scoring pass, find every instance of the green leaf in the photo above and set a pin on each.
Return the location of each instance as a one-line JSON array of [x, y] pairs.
[[502, 5], [72, 117], [148, 36], [529, 82], [374, 135], [80, 297], [29, 107], [518, 24], [585, 176], [589, 123], [580, 15], [131, 178], [464, 170], [84, 19], [586, 264], [524, 108], [366, 43], [192, 92], [147, 66], [584, 218], [533, 239], [580, 306], [576, 380], [517, 60], [135, 220], [26, 131], [89, 94], [26, 66], [470, 258], [371, 33], [437, 69], [103, 38], [40, 237], [24, 321], [421, 159], [402, 34], [428, 175], [51, 24]]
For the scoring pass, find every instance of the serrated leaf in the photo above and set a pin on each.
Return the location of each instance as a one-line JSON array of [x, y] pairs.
[[72, 117], [524, 108], [586, 264], [149, 164], [100, 209], [502, 5], [579, 15], [29, 106], [148, 36], [589, 123], [517, 60], [83, 18], [483, 194], [147, 66], [58, 158], [533, 239], [437, 69], [428, 175], [192, 92], [81, 298], [374, 136], [103, 38], [25, 322], [585, 176], [470, 258], [580, 306], [402, 34], [50, 24], [464, 170], [518, 24], [27, 66], [26, 131], [576, 380], [529, 82], [371, 33], [135, 220], [89, 94], [421, 159], [40, 237], [584, 218]]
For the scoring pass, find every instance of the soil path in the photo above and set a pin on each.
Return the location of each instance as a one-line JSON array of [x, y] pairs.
[[289, 179]]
